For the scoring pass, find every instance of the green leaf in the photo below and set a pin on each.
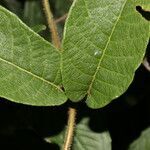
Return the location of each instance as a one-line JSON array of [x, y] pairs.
[[38, 28], [85, 138], [104, 43], [146, 6], [29, 65], [143, 142]]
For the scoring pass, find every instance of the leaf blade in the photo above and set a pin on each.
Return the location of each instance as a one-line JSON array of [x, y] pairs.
[[30, 66], [143, 142], [93, 57], [87, 139]]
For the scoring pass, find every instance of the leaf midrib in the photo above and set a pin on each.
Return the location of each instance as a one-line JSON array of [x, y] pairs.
[[30, 73], [97, 69]]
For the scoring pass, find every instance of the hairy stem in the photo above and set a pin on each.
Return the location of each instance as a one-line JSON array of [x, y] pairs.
[[51, 23], [62, 18], [56, 41], [70, 129]]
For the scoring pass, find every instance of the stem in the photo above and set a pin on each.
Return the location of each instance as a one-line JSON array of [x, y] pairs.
[[61, 18], [51, 23], [70, 129], [56, 41]]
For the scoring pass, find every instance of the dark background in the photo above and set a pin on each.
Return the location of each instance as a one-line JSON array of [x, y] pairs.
[[24, 127]]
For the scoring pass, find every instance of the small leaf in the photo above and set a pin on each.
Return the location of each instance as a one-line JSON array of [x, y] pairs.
[[38, 28], [143, 142], [85, 138], [104, 43], [29, 65]]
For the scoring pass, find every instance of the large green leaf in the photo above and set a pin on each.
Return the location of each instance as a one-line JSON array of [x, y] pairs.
[[85, 138], [143, 142], [104, 43], [29, 65]]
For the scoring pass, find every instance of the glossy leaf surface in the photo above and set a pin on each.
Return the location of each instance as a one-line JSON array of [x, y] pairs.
[[29, 65], [104, 43]]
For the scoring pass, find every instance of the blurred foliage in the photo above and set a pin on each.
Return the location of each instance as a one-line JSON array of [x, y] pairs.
[[31, 12], [143, 142], [85, 138]]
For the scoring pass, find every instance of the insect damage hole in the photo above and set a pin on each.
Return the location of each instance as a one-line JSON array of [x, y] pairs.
[[144, 13]]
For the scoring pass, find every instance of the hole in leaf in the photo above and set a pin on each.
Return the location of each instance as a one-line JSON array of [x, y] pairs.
[[144, 13]]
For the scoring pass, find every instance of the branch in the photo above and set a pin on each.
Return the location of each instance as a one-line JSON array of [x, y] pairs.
[[51, 23], [70, 129], [61, 18]]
